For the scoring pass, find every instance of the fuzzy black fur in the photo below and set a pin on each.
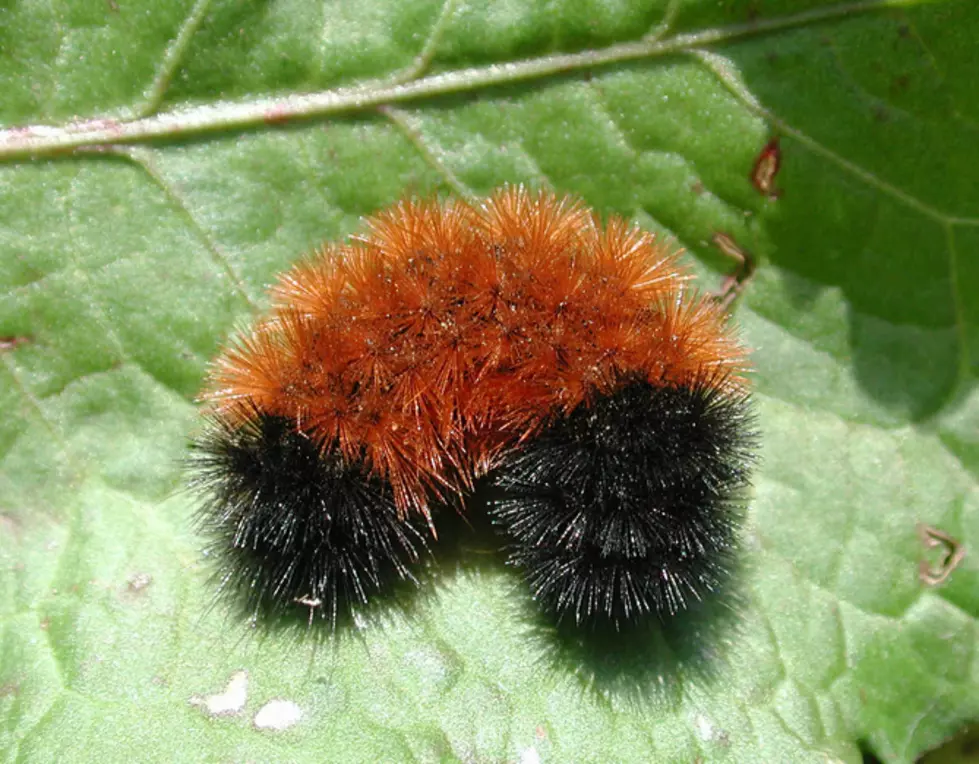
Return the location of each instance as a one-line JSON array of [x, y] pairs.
[[630, 505], [293, 526]]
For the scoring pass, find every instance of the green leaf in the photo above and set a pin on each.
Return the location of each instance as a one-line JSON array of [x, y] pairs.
[[160, 161]]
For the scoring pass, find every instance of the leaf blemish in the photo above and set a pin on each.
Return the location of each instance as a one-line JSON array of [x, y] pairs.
[[137, 582], [766, 167], [707, 731], [952, 554], [229, 702], [744, 269], [13, 342], [277, 715]]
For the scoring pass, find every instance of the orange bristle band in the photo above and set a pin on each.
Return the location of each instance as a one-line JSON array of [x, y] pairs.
[[467, 326]]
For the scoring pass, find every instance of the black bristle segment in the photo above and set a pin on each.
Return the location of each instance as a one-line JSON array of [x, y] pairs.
[[292, 525], [631, 505]]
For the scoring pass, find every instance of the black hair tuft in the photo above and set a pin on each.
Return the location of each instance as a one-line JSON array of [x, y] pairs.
[[293, 524], [631, 504]]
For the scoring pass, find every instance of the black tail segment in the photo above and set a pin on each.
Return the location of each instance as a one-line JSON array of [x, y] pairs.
[[291, 526], [630, 506]]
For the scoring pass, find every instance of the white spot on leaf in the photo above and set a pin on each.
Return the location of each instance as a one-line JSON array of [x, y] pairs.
[[277, 715], [231, 701]]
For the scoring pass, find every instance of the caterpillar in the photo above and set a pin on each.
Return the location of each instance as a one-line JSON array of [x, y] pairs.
[[514, 344]]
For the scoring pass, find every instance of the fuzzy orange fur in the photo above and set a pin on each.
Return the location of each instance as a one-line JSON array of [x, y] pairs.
[[448, 333]]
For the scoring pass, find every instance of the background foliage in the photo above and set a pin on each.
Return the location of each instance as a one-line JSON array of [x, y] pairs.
[[124, 264]]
